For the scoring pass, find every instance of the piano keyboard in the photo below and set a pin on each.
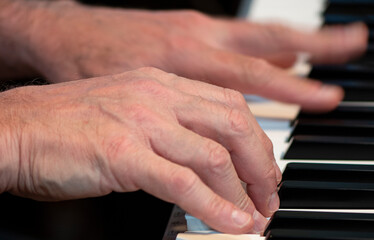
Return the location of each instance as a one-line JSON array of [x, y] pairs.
[[327, 190], [327, 165]]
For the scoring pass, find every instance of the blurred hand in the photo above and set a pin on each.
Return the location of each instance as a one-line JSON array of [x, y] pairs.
[[72, 41], [184, 141]]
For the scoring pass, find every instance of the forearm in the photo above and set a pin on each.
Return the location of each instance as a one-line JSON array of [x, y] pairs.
[[17, 20]]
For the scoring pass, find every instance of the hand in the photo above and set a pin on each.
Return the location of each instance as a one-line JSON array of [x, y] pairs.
[[184, 141], [72, 41]]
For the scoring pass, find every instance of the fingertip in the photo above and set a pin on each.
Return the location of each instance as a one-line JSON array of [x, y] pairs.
[[273, 203], [241, 219], [241, 222], [278, 172], [357, 35], [229, 218], [260, 222], [358, 31], [255, 223], [325, 99], [342, 43]]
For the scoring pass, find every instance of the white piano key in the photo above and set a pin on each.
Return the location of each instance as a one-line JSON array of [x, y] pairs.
[[208, 235], [298, 13]]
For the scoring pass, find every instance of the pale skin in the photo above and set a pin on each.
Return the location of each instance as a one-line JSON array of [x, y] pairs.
[[138, 126]]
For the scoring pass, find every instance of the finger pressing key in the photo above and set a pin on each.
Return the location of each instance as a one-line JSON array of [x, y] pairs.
[[231, 98], [180, 185], [228, 97], [232, 129]]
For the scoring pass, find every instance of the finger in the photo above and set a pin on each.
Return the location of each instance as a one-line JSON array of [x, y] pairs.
[[207, 158], [254, 76], [232, 128], [337, 44], [231, 98], [283, 60], [332, 44], [180, 185]]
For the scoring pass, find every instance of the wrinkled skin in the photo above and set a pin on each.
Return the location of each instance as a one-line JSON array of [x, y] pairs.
[[183, 141]]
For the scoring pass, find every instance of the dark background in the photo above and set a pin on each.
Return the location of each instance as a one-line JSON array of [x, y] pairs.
[[115, 216], [212, 7]]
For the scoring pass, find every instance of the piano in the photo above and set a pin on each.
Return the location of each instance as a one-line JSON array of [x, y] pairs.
[[327, 190]]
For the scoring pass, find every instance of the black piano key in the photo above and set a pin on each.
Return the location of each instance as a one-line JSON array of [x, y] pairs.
[[355, 89], [370, 47], [289, 234], [345, 2], [360, 84], [338, 13], [345, 12], [334, 19], [330, 148], [343, 71], [341, 112], [356, 93], [333, 221], [366, 59], [329, 172], [348, 18], [326, 195], [339, 19], [349, 9], [333, 127], [357, 79]]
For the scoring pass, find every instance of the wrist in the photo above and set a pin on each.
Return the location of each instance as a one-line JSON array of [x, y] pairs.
[[22, 26], [10, 128], [15, 23]]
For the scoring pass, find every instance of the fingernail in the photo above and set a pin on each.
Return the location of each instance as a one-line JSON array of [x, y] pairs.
[[274, 202], [330, 93], [260, 222], [277, 172], [241, 218], [330, 89], [355, 29], [357, 34]]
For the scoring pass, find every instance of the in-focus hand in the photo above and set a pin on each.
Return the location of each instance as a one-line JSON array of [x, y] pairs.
[[181, 140], [72, 41]]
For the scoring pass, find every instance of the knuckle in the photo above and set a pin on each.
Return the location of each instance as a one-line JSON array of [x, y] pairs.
[[151, 70], [195, 16], [180, 43], [216, 207], [117, 146], [279, 34], [270, 172], [244, 202], [140, 113], [183, 182], [218, 159], [267, 143], [150, 86], [257, 70], [238, 122], [234, 98], [276, 30]]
